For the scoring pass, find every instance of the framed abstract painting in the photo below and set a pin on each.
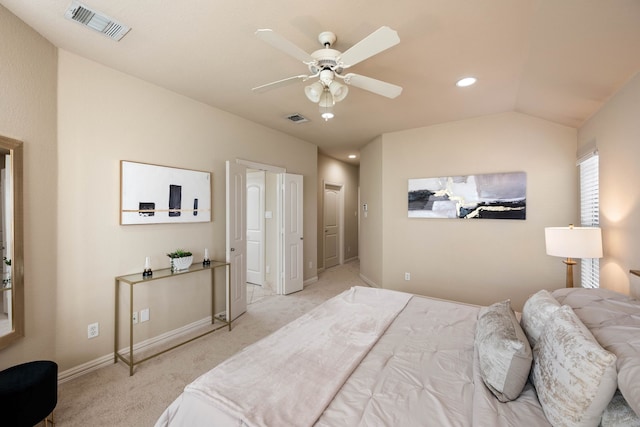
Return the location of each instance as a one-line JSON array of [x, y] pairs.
[[495, 196]]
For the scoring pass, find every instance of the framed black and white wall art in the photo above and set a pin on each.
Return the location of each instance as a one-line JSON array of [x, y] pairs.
[[152, 194], [495, 195]]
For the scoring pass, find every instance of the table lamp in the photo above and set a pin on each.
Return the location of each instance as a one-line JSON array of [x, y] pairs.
[[573, 242]]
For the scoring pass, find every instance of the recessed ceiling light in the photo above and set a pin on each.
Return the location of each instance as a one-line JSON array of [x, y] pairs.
[[467, 81], [352, 156]]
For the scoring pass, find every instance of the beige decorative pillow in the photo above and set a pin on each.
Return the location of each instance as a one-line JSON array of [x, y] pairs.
[[575, 378], [503, 350], [535, 313]]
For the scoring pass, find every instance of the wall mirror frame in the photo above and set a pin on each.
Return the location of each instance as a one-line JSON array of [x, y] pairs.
[[11, 239]]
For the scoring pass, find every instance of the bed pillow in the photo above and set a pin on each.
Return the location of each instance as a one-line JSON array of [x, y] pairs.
[[503, 351], [613, 320], [536, 312], [575, 378], [618, 413]]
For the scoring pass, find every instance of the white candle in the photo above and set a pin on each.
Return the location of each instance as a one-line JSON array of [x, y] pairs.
[[206, 253], [147, 262]]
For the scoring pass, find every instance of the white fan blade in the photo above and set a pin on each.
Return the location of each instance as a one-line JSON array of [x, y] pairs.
[[381, 39], [372, 85], [279, 42], [279, 83]]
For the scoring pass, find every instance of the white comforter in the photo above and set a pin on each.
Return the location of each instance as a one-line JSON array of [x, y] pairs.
[[421, 372], [424, 372], [288, 378]]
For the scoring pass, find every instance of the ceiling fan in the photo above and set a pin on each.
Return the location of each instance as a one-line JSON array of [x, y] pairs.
[[329, 66]]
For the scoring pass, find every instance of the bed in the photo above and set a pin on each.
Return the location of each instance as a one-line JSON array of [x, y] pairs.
[[374, 357]]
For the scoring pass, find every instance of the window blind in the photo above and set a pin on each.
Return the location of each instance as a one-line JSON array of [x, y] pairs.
[[589, 215]]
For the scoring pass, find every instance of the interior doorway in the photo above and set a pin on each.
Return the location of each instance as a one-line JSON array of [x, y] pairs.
[[333, 224], [256, 233], [262, 242], [283, 267]]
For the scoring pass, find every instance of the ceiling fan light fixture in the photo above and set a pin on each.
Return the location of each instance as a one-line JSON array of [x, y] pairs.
[[338, 91], [326, 104], [314, 91], [327, 114]]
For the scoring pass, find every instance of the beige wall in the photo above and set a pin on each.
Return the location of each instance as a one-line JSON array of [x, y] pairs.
[[28, 65], [476, 261], [106, 116], [371, 224], [334, 171], [616, 133], [78, 119]]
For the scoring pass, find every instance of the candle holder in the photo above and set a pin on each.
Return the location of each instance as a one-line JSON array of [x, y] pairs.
[[147, 272], [206, 260]]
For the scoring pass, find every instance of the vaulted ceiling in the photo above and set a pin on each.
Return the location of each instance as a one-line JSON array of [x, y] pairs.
[[559, 60]]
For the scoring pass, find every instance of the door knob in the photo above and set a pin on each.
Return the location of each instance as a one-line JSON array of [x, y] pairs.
[[233, 249]]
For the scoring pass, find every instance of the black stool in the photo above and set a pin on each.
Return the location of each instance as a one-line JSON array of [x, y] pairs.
[[28, 393]]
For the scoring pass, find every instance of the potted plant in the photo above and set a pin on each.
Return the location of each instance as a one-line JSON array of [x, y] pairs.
[[180, 259]]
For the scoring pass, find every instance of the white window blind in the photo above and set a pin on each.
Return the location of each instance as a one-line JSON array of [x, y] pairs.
[[589, 215]]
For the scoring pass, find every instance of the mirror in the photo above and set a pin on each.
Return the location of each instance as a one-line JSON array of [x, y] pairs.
[[11, 229]]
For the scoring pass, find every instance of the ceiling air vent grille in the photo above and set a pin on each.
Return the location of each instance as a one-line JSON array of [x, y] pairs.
[[97, 21], [297, 118]]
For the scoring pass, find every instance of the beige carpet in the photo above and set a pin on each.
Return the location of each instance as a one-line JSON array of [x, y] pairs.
[[110, 397]]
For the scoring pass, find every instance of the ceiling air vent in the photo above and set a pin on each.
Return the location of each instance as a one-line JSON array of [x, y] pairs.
[[297, 118], [96, 21]]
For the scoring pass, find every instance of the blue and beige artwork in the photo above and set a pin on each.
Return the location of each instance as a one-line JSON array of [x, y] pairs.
[[495, 196]]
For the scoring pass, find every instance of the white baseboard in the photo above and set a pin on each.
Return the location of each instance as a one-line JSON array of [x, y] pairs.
[[310, 280], [353, 258], [107, 360], [369, 281]]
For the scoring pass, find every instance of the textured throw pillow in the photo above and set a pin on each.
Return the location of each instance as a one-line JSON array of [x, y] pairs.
[[535, 313], [503, 351], [574, 377], [618, 413], [613, 320]]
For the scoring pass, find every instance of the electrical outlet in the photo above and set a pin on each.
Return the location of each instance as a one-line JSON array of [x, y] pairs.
[[93, 330], [407, 276], [134, 317], [310, 264], [144, 315]]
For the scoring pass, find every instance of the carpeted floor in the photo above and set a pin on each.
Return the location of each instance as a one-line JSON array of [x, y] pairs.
[[110, 397]]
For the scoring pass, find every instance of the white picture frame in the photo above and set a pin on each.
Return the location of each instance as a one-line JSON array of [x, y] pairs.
[[153, 194]]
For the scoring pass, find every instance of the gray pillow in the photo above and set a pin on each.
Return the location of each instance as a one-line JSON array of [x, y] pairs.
[[503, 350], [535, 313], [618, 413], [575, 378]]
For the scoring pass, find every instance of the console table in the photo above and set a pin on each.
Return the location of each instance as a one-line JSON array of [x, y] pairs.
[[137, 278]]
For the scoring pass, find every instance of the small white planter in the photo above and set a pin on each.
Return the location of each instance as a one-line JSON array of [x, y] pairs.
[[182, 263]]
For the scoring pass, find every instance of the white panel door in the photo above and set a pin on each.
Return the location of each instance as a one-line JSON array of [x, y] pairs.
[[331, 226], [255, 227], [293, 253], [236, 238]]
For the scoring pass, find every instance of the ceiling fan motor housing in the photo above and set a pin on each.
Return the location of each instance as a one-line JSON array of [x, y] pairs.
[[325, 59]]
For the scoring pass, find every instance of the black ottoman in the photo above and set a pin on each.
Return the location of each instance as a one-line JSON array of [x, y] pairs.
[[28, 393]]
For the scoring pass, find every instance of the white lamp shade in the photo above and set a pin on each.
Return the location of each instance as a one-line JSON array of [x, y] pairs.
[[314, 91], [574, 242], [326, 105], [338, 90]]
